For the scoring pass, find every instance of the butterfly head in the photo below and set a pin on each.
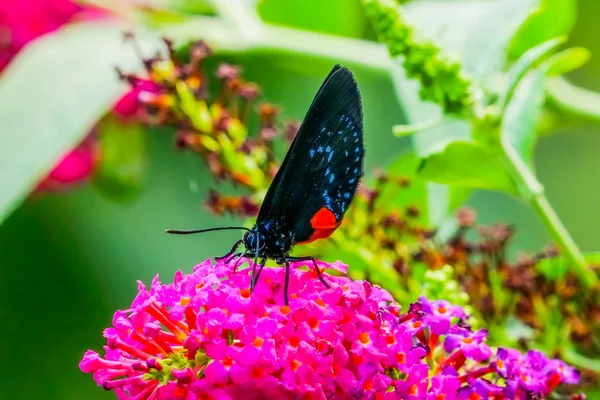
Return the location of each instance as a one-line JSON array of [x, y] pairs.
[[254, 241], [265, 240]]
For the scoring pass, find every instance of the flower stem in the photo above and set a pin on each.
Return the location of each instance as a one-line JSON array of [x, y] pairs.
[[564, 240], [533, 191]]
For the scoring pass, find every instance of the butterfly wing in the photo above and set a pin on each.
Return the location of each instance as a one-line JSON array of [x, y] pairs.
[[321, 171]]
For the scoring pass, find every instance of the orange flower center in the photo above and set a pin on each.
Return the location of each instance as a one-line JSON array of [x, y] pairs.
[[401, 357], [257, 342], [364, 338]]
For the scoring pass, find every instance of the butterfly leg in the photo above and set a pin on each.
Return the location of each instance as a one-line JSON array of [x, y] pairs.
[[241, 257], [310, 258], [229, 256], [254, 276], [287, 283], [261, 266]]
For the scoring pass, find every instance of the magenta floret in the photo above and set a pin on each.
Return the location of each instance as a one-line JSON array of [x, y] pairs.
[[205, 337]]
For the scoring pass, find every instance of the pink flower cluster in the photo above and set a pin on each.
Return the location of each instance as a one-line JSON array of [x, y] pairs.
[[206, 337]]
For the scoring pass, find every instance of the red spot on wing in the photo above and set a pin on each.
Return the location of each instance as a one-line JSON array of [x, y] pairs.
[[324, 224]]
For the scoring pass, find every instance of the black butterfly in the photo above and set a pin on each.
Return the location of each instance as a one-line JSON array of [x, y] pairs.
[[316, 182]]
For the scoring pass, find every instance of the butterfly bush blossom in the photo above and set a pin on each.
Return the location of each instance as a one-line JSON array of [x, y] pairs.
[[204, 336]]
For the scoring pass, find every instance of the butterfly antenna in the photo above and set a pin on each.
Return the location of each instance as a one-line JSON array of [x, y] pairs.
[[190, 232]]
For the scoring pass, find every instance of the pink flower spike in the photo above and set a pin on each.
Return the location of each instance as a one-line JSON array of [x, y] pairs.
[[204, 336]]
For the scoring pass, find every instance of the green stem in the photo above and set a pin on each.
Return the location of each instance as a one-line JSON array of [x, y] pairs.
[[534, 192], [292, 41], [564, 240]]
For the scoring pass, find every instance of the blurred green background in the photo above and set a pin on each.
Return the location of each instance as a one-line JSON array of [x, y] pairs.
[[68, 261]]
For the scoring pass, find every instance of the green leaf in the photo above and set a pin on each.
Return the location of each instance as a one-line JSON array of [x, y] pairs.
[[522, 112], [489, 35], [124, 158], [529, 60], [191, 7], [52, 94], [466, 164], [573, 99], [478, 31], [567, 61], [476, 28], [551, 19]]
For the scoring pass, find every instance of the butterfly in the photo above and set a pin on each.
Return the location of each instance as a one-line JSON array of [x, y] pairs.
[[315, 184]]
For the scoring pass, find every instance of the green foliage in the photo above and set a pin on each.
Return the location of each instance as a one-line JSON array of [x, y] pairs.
[[120, 173], [466, 164], [393, 197], [522, 113], [344, 18], [500, 156], [567, 61], [488, 143], [530, 59], [441, 80], [552, 18]]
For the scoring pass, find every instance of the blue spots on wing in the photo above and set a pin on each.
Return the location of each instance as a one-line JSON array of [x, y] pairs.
[[312, 153], [327, 198], [330, 175]]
